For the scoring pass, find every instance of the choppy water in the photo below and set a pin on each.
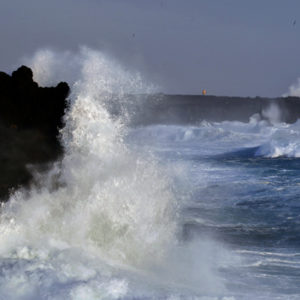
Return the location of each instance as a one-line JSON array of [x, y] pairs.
[[243, 192], [156, 212]]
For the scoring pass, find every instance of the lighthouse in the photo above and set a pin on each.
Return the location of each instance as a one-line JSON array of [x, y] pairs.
[[203, 92]]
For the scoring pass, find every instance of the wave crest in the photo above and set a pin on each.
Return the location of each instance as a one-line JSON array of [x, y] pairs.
[[110, 199]]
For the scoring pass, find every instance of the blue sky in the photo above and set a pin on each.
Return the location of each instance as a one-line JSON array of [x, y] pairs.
[[229, 47]]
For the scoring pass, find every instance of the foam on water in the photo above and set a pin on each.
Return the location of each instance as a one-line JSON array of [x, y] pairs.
[[102, 224], [111, 201], [271, 139], [241, 195], [104, 185]]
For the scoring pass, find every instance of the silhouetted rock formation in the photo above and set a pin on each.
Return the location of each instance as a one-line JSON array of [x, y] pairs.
[[25, 105], [30, 117]]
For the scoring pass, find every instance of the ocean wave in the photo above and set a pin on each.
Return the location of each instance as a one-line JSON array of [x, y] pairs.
[[271, 140], [102, 223], [284, 141]]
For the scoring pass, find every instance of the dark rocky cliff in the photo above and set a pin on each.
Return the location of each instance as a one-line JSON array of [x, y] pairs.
[[30, 118]]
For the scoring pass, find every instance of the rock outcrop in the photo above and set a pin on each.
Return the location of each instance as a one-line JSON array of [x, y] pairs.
[[30, 118]]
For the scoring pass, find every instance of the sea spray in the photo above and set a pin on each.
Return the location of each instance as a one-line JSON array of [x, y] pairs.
[[260, 137], [294, 89], [103, 222], [272, 113], [110, 200]]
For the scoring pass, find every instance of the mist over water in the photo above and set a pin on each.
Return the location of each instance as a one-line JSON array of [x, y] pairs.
[[103, 223], [152, 212], [294, 89]]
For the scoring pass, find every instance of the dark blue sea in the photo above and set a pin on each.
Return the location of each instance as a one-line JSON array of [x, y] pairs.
[[241, 189]]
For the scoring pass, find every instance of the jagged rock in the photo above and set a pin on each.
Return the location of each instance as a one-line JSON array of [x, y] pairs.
[[30, 118]]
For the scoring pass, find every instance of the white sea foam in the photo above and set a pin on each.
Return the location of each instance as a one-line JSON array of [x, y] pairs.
[[102, 223], [271, 139], [105, 185], [104, 218], [112, 201], [283, 141]]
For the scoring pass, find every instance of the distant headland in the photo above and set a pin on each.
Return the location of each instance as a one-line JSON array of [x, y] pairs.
[[192, 109]]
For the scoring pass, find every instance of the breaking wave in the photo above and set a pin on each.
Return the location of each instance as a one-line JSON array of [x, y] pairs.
[[102, 198], [118, 217], [267, 138]]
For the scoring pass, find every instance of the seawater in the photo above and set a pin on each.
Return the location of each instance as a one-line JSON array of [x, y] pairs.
[[242, 191], [154, 212]]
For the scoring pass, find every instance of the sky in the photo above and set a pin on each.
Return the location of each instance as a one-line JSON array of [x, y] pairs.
[[228, 47]]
